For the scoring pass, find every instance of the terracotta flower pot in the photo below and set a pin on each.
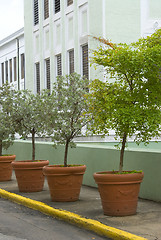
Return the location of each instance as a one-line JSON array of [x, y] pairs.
[[29, 175], [6, 167], [64, 182], [119, 192]]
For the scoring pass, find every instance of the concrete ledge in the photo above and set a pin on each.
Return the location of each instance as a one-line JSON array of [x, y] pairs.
[[73, 218]]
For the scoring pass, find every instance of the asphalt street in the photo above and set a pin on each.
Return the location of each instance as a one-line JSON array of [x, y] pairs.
[[20, 223]]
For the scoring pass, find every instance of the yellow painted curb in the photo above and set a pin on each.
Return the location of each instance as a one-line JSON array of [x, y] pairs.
[[73, 218]]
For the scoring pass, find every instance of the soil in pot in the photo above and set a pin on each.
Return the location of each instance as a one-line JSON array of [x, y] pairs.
[[119, 192], [6, 167], [64, 182], [29, 175]]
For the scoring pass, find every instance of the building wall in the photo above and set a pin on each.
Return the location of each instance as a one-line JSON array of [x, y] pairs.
[[75, 25], [61, 32], [150, 16], [11, 49]]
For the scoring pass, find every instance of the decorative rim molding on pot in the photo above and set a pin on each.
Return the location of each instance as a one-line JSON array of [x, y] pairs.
[[64, 182], [6, 167], [29, 175], [119, 192]]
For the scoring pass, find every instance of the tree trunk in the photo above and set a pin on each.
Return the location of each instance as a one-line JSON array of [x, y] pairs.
[[0, 147], [122, 152], [66, 153], [33, 144]]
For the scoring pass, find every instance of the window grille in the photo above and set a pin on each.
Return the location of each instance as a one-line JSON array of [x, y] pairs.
[[36, 12], [48, 73], [10, 70], [69, 2], [37, 77], [15, 69], [6, 67], [46, 9], [2, 72], [85, 69], [22, 66], [57, 6], [71, 61], [59, 67]]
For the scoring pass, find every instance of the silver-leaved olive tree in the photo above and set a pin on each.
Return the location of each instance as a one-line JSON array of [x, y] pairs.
[[7, 129], [68, 111], [129, 101], [29, 118]]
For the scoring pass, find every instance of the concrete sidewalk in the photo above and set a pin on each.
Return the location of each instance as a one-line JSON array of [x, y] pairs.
[[146, 224]]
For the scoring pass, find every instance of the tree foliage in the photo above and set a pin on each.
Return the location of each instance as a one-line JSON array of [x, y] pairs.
[[68, 110], [7, 130], [29, 116], [129, 101]]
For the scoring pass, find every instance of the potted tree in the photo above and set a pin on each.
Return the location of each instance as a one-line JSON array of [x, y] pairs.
[[67, 117], [127, 103], [29, 120], [7, 131]]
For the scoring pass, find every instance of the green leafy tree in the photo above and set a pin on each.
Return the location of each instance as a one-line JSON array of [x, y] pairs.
[[7, 129], [29, 115], [68, 112], [129, 101]]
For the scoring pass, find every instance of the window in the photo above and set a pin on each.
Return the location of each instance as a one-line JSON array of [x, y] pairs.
[[36, 12], [15, 69], [69, 2], [10, 70], [85, 61], [57, 6], [2, 72], [71, 61], [37, 77], [46, 9], [22, 66], [59, 68], [47, 73], [6, 67]]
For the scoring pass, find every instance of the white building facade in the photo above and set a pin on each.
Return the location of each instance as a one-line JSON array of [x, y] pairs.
[[58, 34], [59, 37], [12, 60]]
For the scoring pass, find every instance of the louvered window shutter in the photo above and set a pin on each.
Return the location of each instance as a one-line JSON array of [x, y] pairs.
[[10, 70], [38, 78], [48, 74], [22, 66], [6, 67], [46, 9], [2, 72], [15, 69], [36, 12], [57, 6], [85, 61], [69, 2], [71, 61], [59, 67]]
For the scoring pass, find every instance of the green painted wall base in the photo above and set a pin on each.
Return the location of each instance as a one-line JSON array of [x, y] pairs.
[[99, 157]]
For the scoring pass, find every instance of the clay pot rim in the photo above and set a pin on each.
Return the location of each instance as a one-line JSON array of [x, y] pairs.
[[7, 158], [58, 169], [68, 166], [113, 173], [29, 161], [29, 164], [109, 176]]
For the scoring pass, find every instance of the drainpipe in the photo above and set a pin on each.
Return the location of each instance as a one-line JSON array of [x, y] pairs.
[[18, 61]]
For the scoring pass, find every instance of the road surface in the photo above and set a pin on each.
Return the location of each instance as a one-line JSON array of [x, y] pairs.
[[21, 223]]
